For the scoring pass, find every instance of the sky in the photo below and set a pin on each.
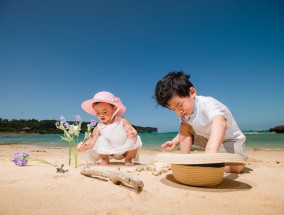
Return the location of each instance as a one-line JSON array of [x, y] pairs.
[[56, 54]]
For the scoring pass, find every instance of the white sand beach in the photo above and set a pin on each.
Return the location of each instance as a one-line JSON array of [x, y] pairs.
[[39, 189]]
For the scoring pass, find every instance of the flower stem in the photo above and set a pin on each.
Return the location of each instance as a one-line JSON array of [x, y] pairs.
[[75, 154], [70, 154], [43, 162]]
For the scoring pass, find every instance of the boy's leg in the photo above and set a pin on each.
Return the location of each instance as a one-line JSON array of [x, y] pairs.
[[197, 139], [235, 148], [185, 138], [226, 147]]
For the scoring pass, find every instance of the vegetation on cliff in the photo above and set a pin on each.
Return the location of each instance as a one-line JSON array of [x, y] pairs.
[[47, 126], [277, 129]]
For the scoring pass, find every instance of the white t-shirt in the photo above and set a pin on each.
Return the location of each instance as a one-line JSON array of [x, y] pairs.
[[206, 108]]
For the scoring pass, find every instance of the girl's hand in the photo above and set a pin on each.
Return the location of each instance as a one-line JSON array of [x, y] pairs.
[[169, 146], [82, 146], [131, 132]]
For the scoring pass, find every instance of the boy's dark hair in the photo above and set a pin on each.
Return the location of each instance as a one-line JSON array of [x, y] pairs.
[[174, 83]]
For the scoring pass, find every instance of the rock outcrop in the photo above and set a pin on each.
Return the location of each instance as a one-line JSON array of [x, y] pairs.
[[277, 129]]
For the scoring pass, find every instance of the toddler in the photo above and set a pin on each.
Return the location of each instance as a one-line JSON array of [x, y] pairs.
[[203, 120], [113, 136]]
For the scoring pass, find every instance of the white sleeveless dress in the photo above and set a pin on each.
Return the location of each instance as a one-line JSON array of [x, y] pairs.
[[113, 139]]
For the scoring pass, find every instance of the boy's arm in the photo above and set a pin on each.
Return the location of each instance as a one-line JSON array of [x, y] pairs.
[[217, 133], [184, 138], [171, 144], [176, 139]]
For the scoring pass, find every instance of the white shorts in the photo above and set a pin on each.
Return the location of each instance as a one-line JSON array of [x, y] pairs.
[[234, 147], [237, 147]]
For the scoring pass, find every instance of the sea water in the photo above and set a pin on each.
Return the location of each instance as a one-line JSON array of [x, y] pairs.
[[260, 140]]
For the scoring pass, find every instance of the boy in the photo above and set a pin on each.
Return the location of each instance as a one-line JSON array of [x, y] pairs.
[[204, 120]]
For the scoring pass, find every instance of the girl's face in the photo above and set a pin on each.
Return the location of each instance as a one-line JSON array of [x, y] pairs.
[[183, 106], [104, 111]]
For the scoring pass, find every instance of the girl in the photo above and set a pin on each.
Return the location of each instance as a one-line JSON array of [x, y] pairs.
[[114, 135]]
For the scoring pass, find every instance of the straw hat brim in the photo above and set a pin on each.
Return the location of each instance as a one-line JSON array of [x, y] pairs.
[[202, 158]]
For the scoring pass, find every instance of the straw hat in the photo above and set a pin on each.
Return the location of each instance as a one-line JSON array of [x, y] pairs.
[[106, 97], [206, 169]]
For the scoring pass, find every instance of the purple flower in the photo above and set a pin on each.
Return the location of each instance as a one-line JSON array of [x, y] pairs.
[[62, 120], [67, 125], [93, 122], [21, 158], [78, 118]]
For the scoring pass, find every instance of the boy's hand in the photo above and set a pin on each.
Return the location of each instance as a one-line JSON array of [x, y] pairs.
[[169, 146]]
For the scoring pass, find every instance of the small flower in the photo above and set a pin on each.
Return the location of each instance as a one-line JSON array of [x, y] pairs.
[[67, 125], [93, 123], [67, 138], [21, 158], [72, 132], [62, 120], [59, 125], [78, 118], [74, 129]]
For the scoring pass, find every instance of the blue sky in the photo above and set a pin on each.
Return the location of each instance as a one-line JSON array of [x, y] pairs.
[[56, 54]]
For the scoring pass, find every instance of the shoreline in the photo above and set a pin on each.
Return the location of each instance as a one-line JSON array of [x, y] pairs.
[[150, 141], [143, 147], [12, 134]]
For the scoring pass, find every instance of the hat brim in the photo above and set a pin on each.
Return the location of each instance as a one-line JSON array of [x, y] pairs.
[[88, 106], [202, 158]]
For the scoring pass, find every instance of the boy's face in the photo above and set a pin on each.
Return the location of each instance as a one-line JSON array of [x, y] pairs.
[[183, 106], [104, 111]]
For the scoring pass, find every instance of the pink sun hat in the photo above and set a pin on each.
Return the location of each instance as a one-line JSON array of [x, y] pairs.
[[106, 97]]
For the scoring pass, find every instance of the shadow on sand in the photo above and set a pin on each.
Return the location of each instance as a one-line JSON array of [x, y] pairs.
[[228, 184]]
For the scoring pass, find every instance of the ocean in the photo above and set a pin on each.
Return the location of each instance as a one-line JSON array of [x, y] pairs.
[[261, 140]]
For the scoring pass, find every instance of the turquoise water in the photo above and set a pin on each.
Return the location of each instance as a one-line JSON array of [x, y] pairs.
[[151, 140]]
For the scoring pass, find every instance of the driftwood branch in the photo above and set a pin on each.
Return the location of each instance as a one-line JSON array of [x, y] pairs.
[[116, 176]]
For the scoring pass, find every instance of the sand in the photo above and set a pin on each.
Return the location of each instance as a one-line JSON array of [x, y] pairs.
[[39, 189]]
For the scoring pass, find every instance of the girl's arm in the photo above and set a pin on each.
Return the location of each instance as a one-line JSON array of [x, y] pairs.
[[91, 142], [131, 132], [217, 133]]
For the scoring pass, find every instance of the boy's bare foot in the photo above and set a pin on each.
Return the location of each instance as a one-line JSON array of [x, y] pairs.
[[234, 169]]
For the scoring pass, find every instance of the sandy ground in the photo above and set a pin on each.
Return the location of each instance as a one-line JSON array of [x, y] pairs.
[[39, 189]]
